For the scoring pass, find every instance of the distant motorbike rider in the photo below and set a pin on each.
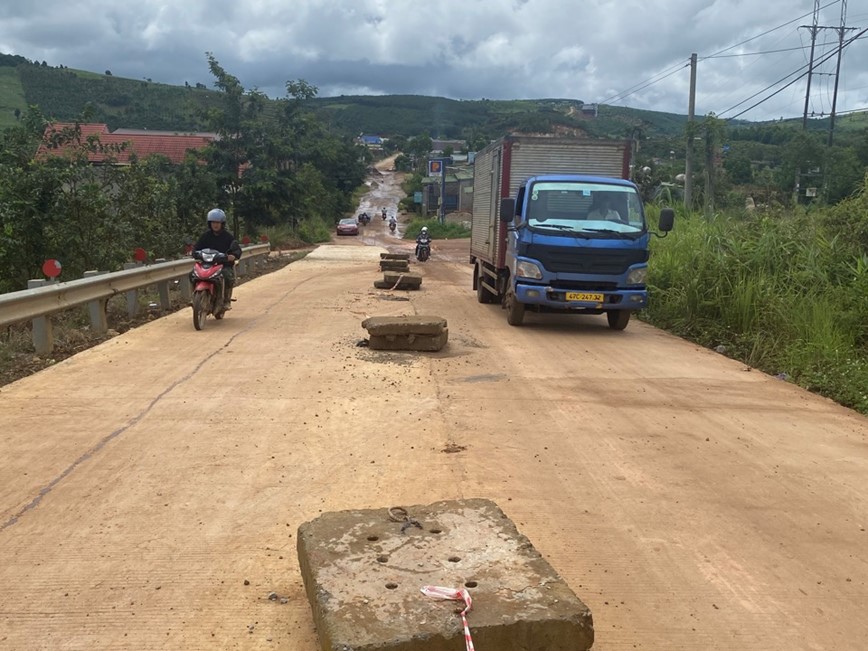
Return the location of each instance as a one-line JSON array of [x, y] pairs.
[[384, 214], [422, 238], [393, 222], [219, 239]]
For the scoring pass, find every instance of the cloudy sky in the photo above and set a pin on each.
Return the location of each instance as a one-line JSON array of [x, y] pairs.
[[624, 52]]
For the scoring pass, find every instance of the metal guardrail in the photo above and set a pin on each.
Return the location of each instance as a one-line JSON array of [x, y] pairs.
[[43, 299]]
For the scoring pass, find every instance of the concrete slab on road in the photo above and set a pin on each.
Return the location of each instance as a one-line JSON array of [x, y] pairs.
[[346, 253], [364, 571]]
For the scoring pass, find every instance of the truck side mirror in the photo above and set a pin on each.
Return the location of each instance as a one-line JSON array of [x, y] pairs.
[[667, 220], [507, 210]]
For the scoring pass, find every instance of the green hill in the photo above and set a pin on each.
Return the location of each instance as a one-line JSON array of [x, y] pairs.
[[64, 94]]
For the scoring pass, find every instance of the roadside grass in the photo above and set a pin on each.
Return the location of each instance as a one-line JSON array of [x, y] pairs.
[[438, 231], [784, 293], [308, 232]]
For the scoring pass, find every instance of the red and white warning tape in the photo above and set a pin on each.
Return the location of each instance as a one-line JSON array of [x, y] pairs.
[[454, 595]]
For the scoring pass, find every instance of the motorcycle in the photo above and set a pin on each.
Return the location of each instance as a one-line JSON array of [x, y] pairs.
[[209, 285], [364, 219], [393, 226], [384, 214], [423, 250]]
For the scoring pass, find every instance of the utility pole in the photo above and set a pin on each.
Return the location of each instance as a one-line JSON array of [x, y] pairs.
[[688, 154], [814, 30], [841, 31]]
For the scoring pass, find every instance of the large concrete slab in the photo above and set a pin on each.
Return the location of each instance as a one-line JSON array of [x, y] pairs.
[[420, 343], [420, 324], [363, 571]]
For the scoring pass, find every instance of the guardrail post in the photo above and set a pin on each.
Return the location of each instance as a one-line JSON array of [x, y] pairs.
[[41, 331], [185, 287], [163, 290], [133, 294], [96, 310]]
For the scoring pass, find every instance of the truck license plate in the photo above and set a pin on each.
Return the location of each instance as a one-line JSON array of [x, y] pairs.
[[584, 297]]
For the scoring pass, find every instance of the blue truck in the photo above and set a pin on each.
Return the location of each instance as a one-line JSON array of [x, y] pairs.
[[558, 227]]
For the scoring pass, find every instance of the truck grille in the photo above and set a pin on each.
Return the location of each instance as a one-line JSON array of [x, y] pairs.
[[584, 260]]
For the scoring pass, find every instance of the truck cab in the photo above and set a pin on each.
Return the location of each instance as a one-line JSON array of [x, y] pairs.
[[575, 244]]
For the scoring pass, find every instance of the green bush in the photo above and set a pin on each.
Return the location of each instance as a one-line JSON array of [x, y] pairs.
[[313, 230], [783, 293], [438, 231]]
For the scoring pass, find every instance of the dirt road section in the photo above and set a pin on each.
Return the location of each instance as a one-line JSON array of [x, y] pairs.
[[151, 487]]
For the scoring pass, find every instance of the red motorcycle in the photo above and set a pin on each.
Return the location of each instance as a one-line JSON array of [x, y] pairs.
[[209, 285]]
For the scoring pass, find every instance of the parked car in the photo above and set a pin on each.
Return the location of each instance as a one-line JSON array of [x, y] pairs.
[[348, 226]]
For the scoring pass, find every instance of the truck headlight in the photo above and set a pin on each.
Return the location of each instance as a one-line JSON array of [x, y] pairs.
[[637, 276], [528, 270]]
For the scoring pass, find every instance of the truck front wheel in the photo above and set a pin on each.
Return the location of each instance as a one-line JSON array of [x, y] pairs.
[[618, 319], [514, 310]]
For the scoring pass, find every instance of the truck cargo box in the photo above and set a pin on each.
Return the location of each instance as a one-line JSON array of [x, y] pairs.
[[500, 168]]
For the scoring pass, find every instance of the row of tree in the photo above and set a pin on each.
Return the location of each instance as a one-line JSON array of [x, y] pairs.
[[265, 168], [732, 163]]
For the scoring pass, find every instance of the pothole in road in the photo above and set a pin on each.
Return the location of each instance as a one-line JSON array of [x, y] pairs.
[[378, 357], [387, 297], [485, 378]]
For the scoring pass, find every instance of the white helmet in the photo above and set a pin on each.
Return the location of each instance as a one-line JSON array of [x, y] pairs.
[[216, 215], [424, 229]]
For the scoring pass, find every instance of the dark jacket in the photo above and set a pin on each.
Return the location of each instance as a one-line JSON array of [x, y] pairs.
[[223, 241]]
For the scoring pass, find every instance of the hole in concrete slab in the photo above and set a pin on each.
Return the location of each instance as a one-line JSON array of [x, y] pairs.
[[391, 586], [382, 559], [373, 538], [436, 530], [470, 584], [454, 559]]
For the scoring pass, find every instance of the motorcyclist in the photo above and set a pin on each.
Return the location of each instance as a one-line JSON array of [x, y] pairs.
[[384, 214], [422, 238], [219, 239], [393, 222]]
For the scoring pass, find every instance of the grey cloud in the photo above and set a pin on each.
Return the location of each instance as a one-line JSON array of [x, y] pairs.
[[458, 49]]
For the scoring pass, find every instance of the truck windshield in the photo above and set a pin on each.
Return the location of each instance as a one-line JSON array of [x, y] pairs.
[[584, 208]]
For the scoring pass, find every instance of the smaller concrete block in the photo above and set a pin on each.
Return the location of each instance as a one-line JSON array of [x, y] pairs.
[[395, 256], [394, 265], [382, 284], [423, 343], [409, 277], [417, 324]]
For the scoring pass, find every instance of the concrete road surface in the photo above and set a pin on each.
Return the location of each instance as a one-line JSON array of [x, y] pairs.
[[151, 488]]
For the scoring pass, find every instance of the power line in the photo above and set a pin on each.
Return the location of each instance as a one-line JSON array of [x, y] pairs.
[[768, 31], [753, 54], [823, 60], [858, 110], [680, 66], [645, 84]]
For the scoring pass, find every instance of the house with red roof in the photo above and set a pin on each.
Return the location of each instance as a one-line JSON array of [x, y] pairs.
[[121, 144]]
